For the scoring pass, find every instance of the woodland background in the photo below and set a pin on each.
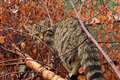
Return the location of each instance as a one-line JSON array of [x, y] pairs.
[[101, 16]]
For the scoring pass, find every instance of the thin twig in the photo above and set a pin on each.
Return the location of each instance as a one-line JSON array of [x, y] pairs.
[[45, 6], [12, 64], [3, 75], [11, 60], [108, 42], [11, 51]]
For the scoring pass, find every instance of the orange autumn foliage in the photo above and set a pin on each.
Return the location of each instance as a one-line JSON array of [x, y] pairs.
[[32, 11]]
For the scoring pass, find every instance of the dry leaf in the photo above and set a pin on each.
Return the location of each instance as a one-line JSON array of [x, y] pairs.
[[2, 39]]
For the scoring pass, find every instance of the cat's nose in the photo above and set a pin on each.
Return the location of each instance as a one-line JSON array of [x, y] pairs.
[[73, 77]]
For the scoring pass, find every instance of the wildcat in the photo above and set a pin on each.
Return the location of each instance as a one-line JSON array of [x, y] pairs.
[[73, 47]]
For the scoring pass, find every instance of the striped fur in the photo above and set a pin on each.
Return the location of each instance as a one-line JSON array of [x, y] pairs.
[[79, 51], [91, 62], [74, 49]]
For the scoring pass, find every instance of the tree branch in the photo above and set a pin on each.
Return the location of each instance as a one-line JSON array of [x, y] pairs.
[[47, 74]]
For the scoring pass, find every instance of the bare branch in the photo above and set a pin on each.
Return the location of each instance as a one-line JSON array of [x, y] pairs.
[[47, 74]]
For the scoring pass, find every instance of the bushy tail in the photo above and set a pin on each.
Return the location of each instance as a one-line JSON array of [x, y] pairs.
[[91, 62]]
